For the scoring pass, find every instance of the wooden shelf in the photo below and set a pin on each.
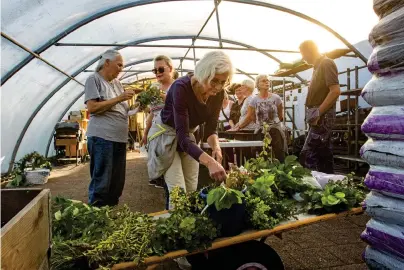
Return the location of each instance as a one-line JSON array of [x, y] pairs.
[[333, 55]]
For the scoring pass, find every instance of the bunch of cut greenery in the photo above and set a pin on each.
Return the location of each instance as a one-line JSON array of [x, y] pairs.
[[151, 95]]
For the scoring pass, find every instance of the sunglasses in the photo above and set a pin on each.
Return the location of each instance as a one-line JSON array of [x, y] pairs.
[[158, 70]]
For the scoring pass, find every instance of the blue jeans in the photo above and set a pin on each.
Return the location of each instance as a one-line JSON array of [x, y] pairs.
[[107, 169]]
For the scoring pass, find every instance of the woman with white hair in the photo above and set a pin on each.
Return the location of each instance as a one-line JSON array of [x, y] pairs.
[[193, 100], [247, 88], [267, 108], [107, 132]]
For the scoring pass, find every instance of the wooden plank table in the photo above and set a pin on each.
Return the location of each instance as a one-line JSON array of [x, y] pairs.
[[303, 220]]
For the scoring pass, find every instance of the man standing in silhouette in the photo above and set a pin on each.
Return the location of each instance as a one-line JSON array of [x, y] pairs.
[[322, 95]]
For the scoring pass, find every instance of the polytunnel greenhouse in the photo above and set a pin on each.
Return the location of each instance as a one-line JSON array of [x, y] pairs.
[[111, 165]]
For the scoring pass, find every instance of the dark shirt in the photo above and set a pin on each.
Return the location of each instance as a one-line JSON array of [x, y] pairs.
[[235, 111], [183, 111], [325, 74]]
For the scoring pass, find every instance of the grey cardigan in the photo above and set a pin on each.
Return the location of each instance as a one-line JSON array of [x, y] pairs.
[[162, 145]]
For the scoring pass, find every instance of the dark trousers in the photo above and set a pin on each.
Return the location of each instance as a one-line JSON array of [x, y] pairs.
[[317, 152], [166, 196], [277, 144], [107, 169]]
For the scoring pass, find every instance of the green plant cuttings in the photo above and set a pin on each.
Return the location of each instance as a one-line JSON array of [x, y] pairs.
[[89, 237], [151, 95], [336, 197]]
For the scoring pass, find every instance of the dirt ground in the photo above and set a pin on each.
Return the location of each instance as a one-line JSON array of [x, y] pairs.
[[328, 245]]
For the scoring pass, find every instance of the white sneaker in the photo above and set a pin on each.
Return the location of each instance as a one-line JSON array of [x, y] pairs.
[[183, 263]]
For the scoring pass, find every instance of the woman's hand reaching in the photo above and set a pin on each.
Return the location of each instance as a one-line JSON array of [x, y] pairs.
[[216, 171]]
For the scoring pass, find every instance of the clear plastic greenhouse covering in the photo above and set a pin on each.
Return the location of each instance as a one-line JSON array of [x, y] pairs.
[[35, 96]]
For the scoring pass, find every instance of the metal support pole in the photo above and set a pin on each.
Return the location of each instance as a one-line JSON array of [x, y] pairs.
[[126, 72], [193, 49], [348, 83], [38, 56], [200, 32], [218, 23], [293, 123], [26, 126], [181, 67], [284, 102], [356, 113], [343, 72], [172, 46]]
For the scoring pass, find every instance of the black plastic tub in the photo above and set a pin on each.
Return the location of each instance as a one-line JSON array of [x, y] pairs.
[[232, 220]]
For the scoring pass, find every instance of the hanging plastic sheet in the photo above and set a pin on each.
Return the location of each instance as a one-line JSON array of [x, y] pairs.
[[384, 91]]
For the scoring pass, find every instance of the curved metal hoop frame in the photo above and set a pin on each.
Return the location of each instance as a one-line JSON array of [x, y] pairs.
[[63, 34]]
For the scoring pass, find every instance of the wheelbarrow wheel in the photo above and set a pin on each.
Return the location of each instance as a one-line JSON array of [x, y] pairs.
[[251, 255], [254, 255]]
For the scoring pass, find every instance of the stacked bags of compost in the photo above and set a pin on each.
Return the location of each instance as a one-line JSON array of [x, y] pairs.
[[384, 151]]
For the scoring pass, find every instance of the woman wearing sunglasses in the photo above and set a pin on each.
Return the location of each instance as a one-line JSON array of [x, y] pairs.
[[193, 100], [165, 73]]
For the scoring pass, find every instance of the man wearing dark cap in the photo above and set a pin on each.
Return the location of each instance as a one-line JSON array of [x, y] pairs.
[[322, 95]]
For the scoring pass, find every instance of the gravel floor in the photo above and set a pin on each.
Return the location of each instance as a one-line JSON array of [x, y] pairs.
[[328, 245]]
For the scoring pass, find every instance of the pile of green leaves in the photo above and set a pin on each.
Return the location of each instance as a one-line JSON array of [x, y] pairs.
[[336, 197], [255, 165], [223, 198], [289, 176], [265, 209], [89, 237], [183, 229], [86, 237], [151, 95]]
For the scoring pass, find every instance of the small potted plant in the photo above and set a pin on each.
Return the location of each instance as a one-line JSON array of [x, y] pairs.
[[33, 168]]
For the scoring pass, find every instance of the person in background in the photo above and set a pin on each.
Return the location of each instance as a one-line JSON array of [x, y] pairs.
[[322, 95], [268, 108], [107, 132], [247, 90], [224, 116], [236, 107], [165, 72]]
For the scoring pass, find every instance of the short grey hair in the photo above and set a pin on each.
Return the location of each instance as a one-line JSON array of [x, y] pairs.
[[212, 63], [249, 83], [108, 55], [259, 77]]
